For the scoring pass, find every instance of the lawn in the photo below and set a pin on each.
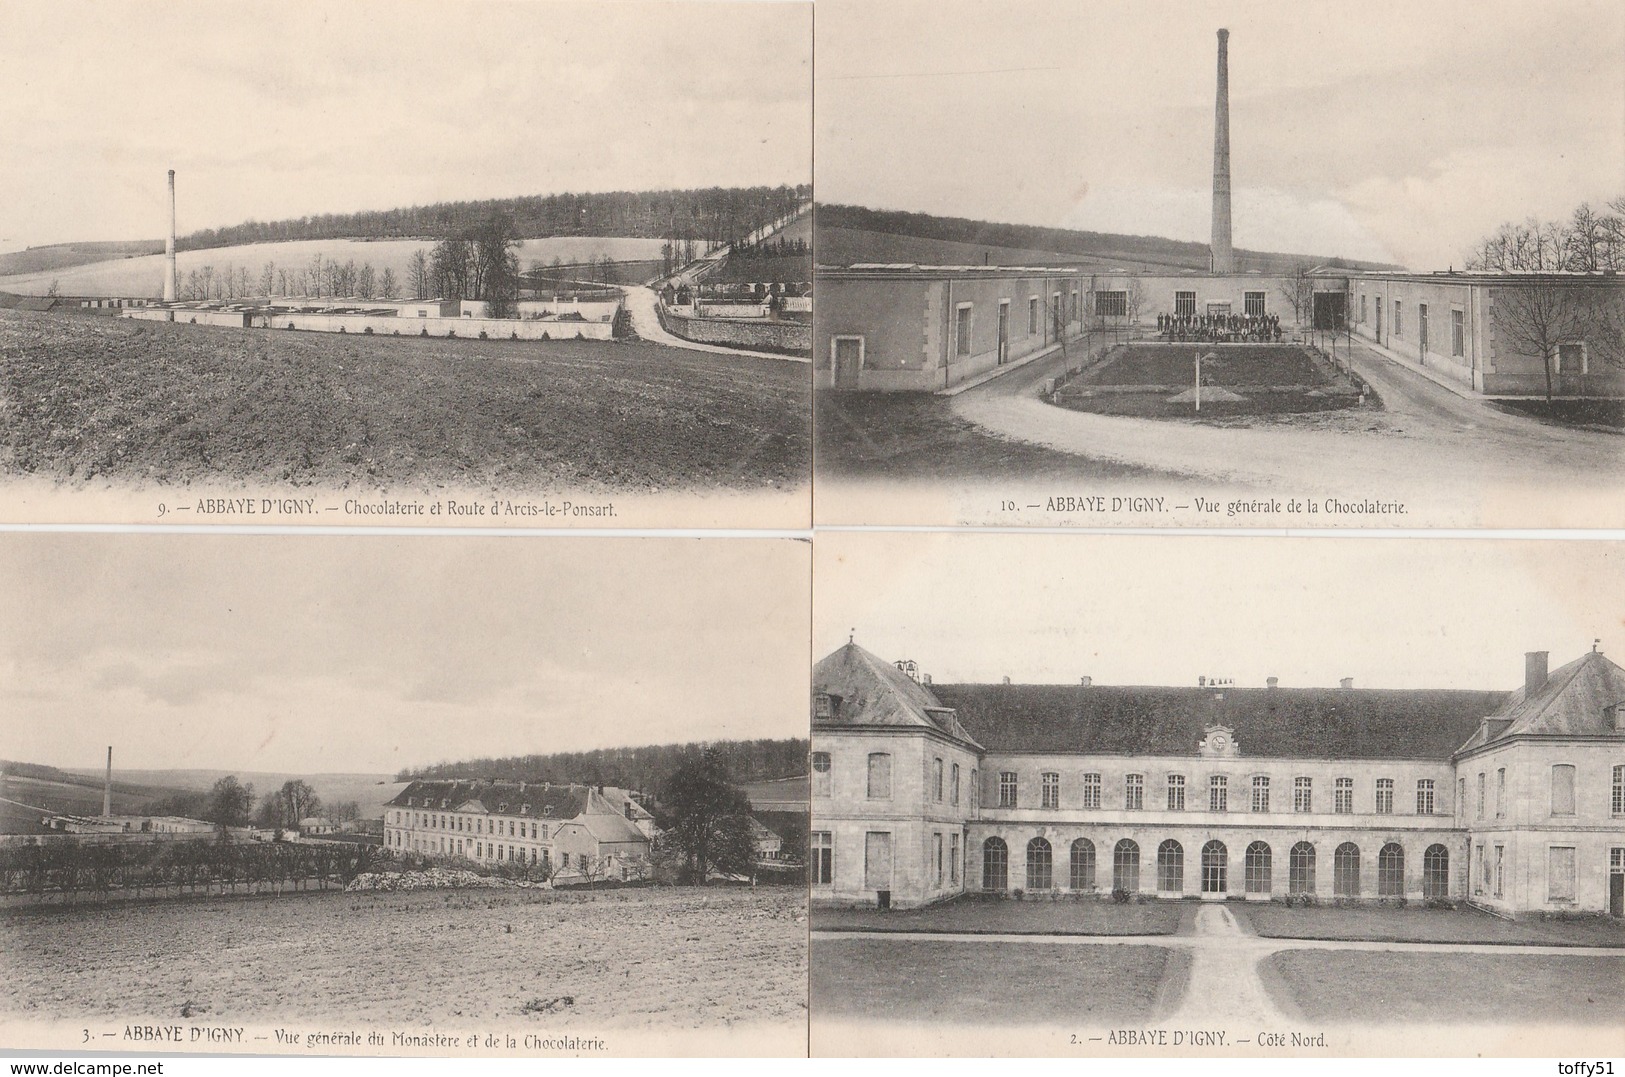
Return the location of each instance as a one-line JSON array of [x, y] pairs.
[[1382, 987], [993, 983], [1593, 414], [1426, 925], [154, 403], [1238, 365], [1155, 381], [916, 436], [1013, 917]]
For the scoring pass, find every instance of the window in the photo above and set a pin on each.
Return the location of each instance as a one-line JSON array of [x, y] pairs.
[[1261, 792], [1436, 872], [1500, 867], [1111, 304], [936, 778], [1391, 871], [1176, 792], [1385, 796], [975, 789], [1481, 794], [823, 706], [1501, 793], [1218, 793], [938, 837], [1032, 315], [1424, 796], [962, 330], [1215, 867], [1483, 868], [1422, 328], [1091, 790], [953, 786], [1039, 870], [1133, 791], [821, 774], [1563, 789], [1343, 796], [1073, 307], [1399, 324], [1126, 866], [877, 860], [1461, 796], [1007, 789], [1170, 867], [1052, 789], [995, 865], [1346, 870], [1560, 874], [953, 858], [1257, 869], [1083, 864], [1362, 307], [1300, 869], [1253, 304], [1185, 304], [879, 776], [1458, 334], [1303, 794], [1571, 359], [1619, 791]]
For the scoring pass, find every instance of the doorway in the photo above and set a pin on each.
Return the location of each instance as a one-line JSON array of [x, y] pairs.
[[848, 360], [1004, 332]]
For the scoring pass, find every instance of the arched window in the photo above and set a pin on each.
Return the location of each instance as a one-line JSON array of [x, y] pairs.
[[1346, 870], [1300, 869], [1257, 868], [1391, 871], [1215, 859], [995, 865], [1126, 866], [1170, 867], [1040, 875], [1083, 864], [1436, 872]]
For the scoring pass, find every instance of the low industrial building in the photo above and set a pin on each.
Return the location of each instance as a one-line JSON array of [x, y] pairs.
[[1514, 802]]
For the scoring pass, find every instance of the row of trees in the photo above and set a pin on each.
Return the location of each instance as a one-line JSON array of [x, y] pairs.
[[318, 277], [479, 262], [712, 215], [647, 767], [231, 803], [1589, 241]]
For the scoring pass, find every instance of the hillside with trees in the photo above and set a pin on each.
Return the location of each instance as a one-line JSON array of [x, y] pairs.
[[646, 768], [710, 215]]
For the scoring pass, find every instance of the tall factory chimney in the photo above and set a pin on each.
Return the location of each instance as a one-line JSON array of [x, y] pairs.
[[107, 790], [169, 253], [1224, 259]]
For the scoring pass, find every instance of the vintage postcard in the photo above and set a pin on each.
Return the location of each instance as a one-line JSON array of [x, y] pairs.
[[1149, 797], [534, 265], [315, 795], [1220, 265]]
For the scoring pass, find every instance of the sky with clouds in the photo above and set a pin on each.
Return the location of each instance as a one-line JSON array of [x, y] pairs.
[[369, 653], [1166, 609], [280, 110], [1387, 129]]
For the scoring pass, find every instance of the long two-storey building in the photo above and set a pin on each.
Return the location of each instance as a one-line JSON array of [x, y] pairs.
[[1513, 801]]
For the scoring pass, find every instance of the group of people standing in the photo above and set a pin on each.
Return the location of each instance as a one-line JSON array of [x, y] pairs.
[[1220, 328]]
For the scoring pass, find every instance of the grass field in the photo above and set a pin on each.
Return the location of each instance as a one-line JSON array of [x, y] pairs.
[[152, 403], [916, 436], [1020, 917], [1426, 925], [1382, 987], [1238, 365], [144, 275], [973, 983], [1244, 380], [677, 957]]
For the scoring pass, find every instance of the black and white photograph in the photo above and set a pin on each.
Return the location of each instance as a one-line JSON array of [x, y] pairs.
[[384, 796], [506, 264], [1220, 264], [1168, 796]]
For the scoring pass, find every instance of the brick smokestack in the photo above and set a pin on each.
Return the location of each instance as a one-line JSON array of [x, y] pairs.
[[1224, 259], [169, 245], [107, 790]]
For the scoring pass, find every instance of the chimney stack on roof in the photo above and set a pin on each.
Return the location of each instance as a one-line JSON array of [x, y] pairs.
[[1087, 682], [1272, 682], [1007, 680], [1346, 683], [1534, 672]]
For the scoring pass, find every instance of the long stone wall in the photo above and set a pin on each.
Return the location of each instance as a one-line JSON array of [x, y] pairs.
[[790, 337], [385, 325]]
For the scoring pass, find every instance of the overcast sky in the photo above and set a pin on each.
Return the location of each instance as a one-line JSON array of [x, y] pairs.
[[1391, 613], [1386, 129], [279, 110], [325, 654]]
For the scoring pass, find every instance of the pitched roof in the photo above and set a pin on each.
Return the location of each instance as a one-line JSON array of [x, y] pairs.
[[611, 828], [873, 692], [1325, 723], [544, 801], [1573, 701]]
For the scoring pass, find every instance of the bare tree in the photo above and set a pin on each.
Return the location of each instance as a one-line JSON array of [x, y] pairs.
[[316, 274], [1537, 315], [365, 283], [388, 287], [420, 274], [268, 278], [1298, 290]]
